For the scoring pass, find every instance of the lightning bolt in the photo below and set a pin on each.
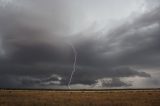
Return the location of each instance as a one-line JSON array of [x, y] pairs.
[[74, 64]]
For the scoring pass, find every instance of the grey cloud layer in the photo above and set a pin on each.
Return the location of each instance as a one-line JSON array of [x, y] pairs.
[[36, 56]]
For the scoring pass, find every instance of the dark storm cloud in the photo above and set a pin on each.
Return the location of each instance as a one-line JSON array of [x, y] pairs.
[[137, 43], [90, 75], [36, 54]]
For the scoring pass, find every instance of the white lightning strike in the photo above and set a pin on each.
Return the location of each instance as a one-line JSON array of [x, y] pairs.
[[74, 65]]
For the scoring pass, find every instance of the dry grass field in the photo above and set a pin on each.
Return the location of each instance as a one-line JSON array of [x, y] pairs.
[[79, 98]]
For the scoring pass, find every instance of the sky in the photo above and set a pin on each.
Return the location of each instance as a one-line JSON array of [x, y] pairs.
[[116, 41]]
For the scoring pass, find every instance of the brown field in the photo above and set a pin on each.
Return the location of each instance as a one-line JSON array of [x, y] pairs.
[[80, 98]]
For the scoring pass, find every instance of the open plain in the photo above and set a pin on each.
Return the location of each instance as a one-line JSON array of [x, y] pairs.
[[79, 97]]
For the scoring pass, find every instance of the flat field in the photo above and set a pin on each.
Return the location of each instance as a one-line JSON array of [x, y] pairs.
[[80, 98]]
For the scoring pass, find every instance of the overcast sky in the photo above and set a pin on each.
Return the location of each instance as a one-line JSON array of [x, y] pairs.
[[117, 43]]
